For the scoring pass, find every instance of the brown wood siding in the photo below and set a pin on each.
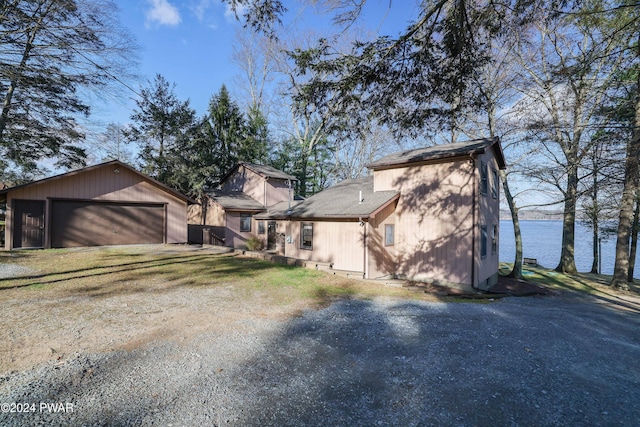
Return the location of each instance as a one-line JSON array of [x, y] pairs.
[[90, 223], [105, 184]]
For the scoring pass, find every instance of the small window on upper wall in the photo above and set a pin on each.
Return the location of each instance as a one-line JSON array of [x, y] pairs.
[[483, 241], [389, 238], [306, 236], [484, 185], [245, 222], [494, 187], [260, 227], [494, 239]]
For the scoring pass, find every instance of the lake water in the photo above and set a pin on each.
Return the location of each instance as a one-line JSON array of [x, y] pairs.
[[543, 239]]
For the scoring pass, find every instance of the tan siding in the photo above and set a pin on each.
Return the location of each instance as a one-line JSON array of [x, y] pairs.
[[489, 215], [433, 219], [103, 184], [265, 191], [382, 260], [339, 243], [246, 181], [233, 236], [214, 214], [277, 191]]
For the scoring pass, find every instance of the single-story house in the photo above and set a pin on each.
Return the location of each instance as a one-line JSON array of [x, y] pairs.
[[105, 204], [429, 214], [228, 212]]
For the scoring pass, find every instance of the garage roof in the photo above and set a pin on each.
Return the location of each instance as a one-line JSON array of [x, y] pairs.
[[115, 164]]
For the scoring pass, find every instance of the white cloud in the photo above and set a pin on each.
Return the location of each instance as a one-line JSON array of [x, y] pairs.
[[200, 9], [162, 13], [205, 12]]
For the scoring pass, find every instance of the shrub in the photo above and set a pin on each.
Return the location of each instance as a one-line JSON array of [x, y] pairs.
[[254, 243]]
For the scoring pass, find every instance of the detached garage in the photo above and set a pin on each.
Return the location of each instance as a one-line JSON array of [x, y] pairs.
[[106, 204]]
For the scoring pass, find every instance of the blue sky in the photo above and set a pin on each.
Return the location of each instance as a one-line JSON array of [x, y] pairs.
[[190, 42]]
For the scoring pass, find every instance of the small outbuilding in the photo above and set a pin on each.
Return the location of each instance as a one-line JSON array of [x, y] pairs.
[[105, 204]]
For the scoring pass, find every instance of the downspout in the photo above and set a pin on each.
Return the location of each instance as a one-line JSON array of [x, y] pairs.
[[364, 247], [473, 224]]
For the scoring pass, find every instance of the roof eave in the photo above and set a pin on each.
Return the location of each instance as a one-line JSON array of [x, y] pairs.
[[118, 163]]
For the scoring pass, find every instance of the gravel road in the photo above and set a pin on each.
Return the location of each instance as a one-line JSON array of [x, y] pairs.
[[543, 361]]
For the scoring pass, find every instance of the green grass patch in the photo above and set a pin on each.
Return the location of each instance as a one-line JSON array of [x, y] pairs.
[[589, 283], [104, 272]]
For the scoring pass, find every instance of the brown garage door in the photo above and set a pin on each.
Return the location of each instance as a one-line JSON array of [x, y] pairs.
[[90, 223]]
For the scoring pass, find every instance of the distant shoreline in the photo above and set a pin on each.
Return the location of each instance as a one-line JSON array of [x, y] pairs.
[[532, 215]]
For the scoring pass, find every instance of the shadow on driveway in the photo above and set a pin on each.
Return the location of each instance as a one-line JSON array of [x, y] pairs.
[[518, 361]]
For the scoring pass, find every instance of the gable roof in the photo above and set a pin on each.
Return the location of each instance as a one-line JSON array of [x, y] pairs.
[[339, 201], [115, 163], [262, 170], [441, 152], [235, 200]]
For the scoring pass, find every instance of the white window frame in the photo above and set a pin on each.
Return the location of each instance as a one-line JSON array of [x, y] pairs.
[[387, 241]]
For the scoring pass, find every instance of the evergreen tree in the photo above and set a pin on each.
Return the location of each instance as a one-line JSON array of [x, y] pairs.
[[224, 130], [159, 121], [51, 51], [254, 148]]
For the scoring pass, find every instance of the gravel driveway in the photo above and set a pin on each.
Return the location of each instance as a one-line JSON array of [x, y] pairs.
[[562, 360]]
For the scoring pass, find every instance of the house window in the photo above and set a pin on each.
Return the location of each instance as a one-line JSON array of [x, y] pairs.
[[483, 241], [306, 236], [245, 222], [494, 239], [389, 234], [260, 227], [494, 186], [484, 185]]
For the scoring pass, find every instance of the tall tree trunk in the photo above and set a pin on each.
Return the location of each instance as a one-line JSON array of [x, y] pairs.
[[15, 82], [304, 163], [634, 242], [596, 248], [516, 271], [567, 257], [593, 216], [629, 192]]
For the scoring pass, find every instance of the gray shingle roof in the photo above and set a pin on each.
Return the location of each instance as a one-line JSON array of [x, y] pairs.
[[339, 201], [269, 171], [235, 200], [113, 163], [438, 152], [262, 170]]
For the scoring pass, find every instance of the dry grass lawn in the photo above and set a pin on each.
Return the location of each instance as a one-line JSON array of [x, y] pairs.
[[102, 299]]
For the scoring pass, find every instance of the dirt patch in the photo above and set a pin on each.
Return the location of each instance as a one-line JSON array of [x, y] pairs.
[[44, 326], [518, 287]]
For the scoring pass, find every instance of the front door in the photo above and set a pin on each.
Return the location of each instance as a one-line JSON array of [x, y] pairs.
[[271, 236], [28, 228]]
